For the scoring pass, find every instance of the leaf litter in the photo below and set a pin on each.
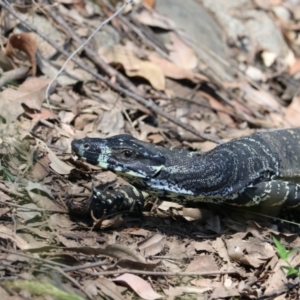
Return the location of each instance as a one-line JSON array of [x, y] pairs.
[[153, 51]]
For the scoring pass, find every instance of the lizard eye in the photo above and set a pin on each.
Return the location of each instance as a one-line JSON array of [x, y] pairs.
[[127, 154], [86, 146]]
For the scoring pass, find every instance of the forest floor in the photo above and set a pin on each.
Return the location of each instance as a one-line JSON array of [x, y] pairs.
[[187, 74]]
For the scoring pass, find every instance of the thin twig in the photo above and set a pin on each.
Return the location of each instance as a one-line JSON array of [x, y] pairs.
[[153, 273], [82, 45], [274, 294], [35, 258], [11, 192], [139, 33], [33, 209], [50, 264], [85, 266], [92, 55], [149, 104]]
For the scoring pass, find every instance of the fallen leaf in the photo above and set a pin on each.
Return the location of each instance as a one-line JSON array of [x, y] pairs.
[[176, 292], [108, 288], [251, 251], [150, 3], [114, 222], [26, 214], [180, 53], [150, 17], [40, 195], [139, 285], [140, 232], [25, 42], [202, 263], [224, 118], [155, 138], [55, 163], [31, 93], [134, 66], [152, 245], [166, 205], [111, 122], [192, 214], [292, 113], [171, 70], [130, 264], [6, 233], [295, 67]]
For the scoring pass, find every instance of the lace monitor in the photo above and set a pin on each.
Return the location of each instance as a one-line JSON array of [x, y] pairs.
[[263, 167], [126, 198]]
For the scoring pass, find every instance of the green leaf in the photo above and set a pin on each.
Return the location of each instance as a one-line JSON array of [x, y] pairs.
[[283, 253], [292, 271]]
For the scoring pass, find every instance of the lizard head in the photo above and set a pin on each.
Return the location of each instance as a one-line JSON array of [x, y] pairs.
[[121, 154]]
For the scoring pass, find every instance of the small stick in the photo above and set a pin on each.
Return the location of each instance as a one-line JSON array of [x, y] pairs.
[[82, 46], [148, 103]]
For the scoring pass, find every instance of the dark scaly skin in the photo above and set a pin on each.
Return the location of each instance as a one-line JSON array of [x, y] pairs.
[[263, 167], [126, 198]]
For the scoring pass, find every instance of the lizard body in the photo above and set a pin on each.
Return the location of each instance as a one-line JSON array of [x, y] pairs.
[[262, 167]]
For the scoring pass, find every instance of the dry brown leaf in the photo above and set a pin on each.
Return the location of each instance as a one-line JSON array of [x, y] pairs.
[[31, 93], [55, 163], [260, 100], [150, 3], [130, 264], [43, 114], [90, 287], [192, 214], [111, 122], [6, 233], [150, 17], [166, 205], [152, 245], [34, 90], [278, 278], [108, 288], [139, 285], [295, 67], [251, 252], [176, 292], [25, 42], [292, 113], [224, 292], [114, 222], [180, 53], [140, 232], [202, 263], [224, 118], [171, 70], [28, 214], [112, 250], [219, 245], [204, 246], [66, 117], [40, 195], [156, 138], [134, 66], [178, 250]]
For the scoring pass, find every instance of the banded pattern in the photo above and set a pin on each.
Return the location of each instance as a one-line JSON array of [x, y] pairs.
[[263, 167], [126, 198]]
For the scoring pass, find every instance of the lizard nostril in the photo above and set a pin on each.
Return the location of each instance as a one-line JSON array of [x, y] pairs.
[[86, 146]]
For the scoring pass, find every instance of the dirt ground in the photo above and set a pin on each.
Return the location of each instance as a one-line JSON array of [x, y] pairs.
[[188, 74]]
